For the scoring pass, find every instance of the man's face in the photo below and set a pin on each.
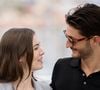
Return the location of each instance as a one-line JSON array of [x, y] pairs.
[[79, 44]]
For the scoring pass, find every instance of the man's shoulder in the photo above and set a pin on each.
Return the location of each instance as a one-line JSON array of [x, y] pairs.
[[68, 61], [63, 60]]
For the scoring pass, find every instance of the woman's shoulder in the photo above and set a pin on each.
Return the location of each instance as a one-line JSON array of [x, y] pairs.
[[41, 85], [6, 86]]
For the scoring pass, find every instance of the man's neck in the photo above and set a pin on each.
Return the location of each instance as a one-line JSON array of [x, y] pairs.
[[90, 65]]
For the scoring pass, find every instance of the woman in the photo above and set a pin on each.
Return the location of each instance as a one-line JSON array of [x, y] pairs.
[[20, 56]]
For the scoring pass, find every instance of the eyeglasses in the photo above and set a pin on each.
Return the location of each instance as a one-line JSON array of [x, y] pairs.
[[73, 40]]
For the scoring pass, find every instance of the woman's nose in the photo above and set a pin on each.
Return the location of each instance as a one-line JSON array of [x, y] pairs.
[[42, 51]]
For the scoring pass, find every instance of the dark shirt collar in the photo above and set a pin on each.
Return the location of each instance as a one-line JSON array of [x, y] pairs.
[[75, 62]]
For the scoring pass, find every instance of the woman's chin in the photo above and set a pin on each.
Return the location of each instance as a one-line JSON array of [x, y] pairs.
[[37, 68]]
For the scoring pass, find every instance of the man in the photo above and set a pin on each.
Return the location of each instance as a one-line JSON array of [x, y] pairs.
[[82, 70]]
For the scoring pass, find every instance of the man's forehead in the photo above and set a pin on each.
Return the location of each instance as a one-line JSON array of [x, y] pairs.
[[71, 31]]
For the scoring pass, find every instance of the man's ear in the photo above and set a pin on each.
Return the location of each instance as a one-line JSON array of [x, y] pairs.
[[97, 39]]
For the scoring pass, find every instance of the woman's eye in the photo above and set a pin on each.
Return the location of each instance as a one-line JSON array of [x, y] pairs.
[[35, 48]]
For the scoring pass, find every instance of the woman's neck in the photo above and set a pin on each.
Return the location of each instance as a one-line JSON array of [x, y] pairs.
[[25, 84]]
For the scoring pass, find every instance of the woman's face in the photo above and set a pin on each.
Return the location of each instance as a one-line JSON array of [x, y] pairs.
[[38, 54]]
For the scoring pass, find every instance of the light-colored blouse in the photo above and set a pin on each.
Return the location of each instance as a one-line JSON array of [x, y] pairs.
[[39, 85]]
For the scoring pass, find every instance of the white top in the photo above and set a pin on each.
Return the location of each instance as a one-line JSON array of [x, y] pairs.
[[39, 85]]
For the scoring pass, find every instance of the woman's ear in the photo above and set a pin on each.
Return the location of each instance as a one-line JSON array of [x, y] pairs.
[[22, 58], [23, 62]]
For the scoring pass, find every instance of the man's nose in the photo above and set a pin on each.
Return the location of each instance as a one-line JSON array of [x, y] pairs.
[[68, 44]]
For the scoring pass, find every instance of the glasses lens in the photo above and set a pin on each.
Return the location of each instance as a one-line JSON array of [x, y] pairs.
[[70, 40]]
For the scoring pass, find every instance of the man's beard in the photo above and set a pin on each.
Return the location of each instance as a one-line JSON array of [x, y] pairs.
[[83, 53]]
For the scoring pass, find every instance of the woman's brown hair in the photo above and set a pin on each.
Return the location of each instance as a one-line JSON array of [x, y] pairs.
[[14, 44]]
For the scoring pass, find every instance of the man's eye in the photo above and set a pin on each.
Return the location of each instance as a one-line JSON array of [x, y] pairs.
[[71, 40]]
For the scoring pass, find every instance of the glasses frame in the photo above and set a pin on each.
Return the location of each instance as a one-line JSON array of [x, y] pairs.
[[73, 40]]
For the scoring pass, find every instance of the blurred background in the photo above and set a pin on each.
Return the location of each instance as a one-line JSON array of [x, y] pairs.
[[47, 18]]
